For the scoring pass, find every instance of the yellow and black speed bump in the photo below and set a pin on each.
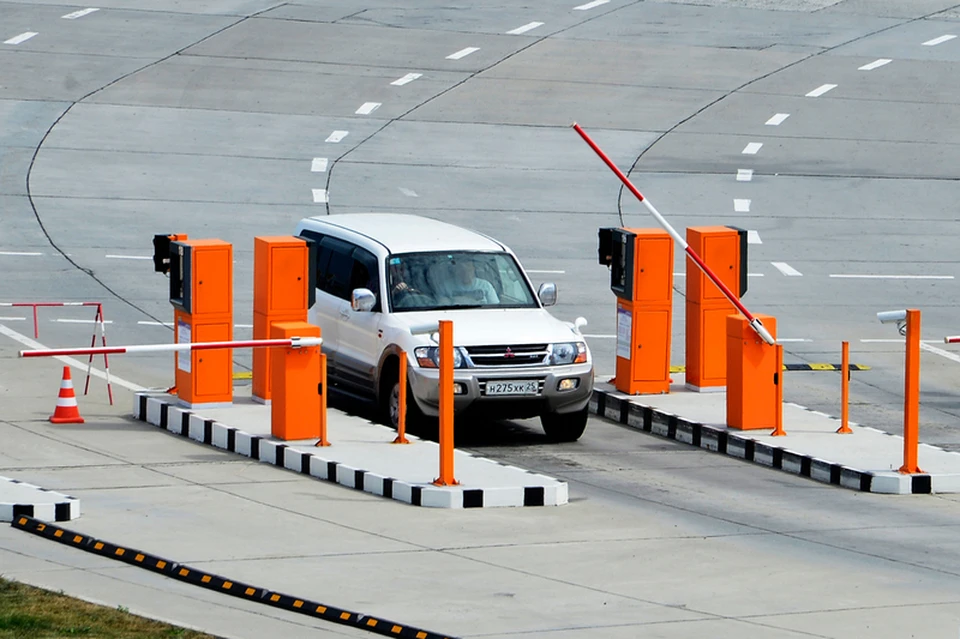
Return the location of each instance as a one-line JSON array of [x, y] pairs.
[[222, 584], [816, 366]]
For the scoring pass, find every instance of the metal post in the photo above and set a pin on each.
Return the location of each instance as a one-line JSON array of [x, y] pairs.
[[402, 403], [446, 405], [845, 390], [911, 395]]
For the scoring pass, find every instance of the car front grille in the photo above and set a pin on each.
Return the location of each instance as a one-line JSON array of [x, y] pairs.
[[512, 355]]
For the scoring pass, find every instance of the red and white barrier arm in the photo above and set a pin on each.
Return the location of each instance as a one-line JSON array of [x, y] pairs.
[[755, 323], [951, 339], [292, 342]]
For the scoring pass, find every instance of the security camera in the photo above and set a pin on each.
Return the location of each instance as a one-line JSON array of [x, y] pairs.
[[894, 317]]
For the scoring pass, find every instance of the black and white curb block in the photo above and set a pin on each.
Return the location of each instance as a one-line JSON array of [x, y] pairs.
[[181, 421], [657, 422], [19, 499]]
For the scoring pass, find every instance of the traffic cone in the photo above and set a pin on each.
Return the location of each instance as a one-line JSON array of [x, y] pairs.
[[66, 411]]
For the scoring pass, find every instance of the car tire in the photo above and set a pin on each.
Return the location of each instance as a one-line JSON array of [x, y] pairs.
[[391, 403], [565, 427]]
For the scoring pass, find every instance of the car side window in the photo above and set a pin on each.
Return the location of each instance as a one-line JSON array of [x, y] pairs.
[[335, 267], [366, 274]]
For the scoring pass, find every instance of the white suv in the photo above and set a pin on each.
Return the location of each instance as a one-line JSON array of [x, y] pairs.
[[382, 278]]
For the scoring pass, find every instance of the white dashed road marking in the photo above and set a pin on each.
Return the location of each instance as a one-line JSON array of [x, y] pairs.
[[23, 37], [820, 90], [752, 148], [777, 119], [79, 14], [890, 277], [546, 272], [12, 319], [530, 26], [152, 323], [462, 53], [754, 274], [319, 196], [744, 175], [367, 108], [876, 64], [753, 238], [940, 40], [408, 192], [336, 136], [410, 77], [20, 253], [741, 206], [939, 351], [786, 269], [128, 257], [590, 5], [319, 165], [80, 321]]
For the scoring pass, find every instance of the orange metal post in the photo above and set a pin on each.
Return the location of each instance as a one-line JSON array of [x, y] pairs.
[[296, 408], [911, 395], [280, 293], [778, 380], [205, 314], [751, 374], [707, 308], [402, 404], [645, 314], [446, 477], [845, 390]]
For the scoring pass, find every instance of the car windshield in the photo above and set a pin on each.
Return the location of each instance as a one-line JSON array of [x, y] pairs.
[[450, 280]]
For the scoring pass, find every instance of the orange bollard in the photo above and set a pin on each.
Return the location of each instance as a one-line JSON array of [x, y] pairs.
[[911, 395], [845, 390], [402, 402], [778, 380], [446, 406]]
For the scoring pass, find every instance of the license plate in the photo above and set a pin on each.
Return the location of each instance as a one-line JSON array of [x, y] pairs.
[[513, 387]]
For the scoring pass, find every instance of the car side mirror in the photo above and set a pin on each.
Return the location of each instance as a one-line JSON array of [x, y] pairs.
[[363, 300], [547, 293]]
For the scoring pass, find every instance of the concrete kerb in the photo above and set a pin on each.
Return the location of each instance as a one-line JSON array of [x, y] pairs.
[[508, 486], [633, 412], [18, 499]]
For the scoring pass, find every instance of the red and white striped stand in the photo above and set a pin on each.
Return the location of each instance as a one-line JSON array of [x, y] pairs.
[[292, 342], [98, 320]]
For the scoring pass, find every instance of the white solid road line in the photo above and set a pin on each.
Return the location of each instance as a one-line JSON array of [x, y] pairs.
[[940, 40], [590, 5], [410, 77], [593, 336], [530, 26], [890, 277], [367, 108], [777, 119], [545, 272], [741, 206], [744, 175], [79, 14], [876, 64], [753, 237], [80, 321], [153, 323], [23, 37], [820, 90], [128, 257], [319, 165], [20, 253], [786, 269], [31, 344], [462, 53], [752, 148], [336, 136], [320, 196], [12, 319], [939, 351]]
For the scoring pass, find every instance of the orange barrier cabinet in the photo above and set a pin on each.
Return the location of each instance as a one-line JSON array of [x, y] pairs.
[[641, 275], [283, 291], [296, 410], [752, 375], [724, 250], [201, 291]]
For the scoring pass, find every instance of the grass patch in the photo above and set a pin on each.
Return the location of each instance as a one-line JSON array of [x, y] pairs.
[[33, 613]]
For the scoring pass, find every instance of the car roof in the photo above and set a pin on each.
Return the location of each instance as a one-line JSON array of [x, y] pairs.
[[402, 233]]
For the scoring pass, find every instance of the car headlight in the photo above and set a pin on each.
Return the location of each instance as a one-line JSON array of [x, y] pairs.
[[568, 353], [429, 357]]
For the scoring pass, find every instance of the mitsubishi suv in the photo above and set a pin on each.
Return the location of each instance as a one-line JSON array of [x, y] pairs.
[[384, 279]]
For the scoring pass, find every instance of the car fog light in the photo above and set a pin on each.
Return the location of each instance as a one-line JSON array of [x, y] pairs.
[[459, 389], [568, 384]]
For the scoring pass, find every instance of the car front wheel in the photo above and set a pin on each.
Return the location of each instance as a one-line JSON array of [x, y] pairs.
[[564, 427], [414, 416]]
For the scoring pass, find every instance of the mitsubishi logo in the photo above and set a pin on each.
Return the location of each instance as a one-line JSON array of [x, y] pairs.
[[509, 354]]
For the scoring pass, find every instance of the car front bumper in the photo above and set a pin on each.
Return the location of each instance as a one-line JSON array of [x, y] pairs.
[[424, 383]]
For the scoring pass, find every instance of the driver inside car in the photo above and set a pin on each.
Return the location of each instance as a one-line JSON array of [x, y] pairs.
[[467, 286]]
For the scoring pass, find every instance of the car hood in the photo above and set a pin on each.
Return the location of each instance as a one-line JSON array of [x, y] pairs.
[[495, 326]]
